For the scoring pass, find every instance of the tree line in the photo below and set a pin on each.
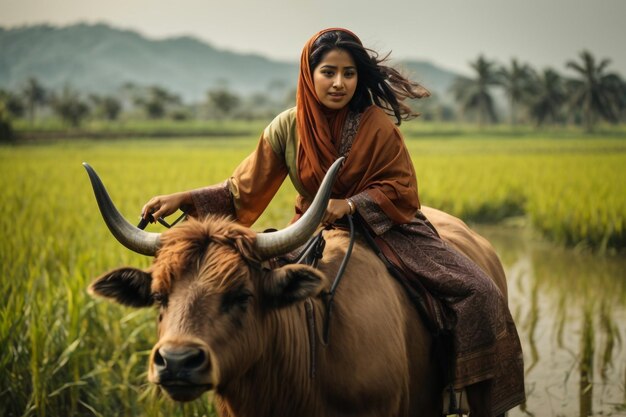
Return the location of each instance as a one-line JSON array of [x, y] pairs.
[[591, 95], [135, 101]]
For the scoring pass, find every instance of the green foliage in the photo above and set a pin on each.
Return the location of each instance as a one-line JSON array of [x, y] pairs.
[[475, 94], [596, 94], [156, 101], [549, 96], [106, 107], [13, 104], [34, 95], [517, 82], [6, 129], [70, 107], [224, 101]]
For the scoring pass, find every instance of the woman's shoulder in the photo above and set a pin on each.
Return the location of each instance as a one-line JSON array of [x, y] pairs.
[[376, 117], [286, 117], [281, 130]]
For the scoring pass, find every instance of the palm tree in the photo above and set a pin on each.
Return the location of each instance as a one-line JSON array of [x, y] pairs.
[[596, 93], [549, 97], [474, 93], [516, 81], [618, 85], [34, 95]]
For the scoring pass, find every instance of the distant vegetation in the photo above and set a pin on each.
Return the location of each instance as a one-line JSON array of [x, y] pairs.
[[81, 74], [589, 96]]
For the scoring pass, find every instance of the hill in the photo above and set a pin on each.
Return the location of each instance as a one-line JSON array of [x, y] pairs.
[[100, 58]]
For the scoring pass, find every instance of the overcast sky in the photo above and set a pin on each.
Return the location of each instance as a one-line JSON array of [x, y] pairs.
[[449, 33]]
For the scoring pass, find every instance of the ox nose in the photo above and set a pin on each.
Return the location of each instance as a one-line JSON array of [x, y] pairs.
[[179, 362]]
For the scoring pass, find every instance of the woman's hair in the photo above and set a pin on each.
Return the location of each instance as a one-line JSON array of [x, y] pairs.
[[377, 84]]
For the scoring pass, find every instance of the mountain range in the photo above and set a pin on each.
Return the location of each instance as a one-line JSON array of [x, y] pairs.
[[98, 58]]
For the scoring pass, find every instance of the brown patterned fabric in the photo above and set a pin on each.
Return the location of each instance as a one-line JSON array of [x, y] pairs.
[[376, 219], [486, 342], [350, 128], [215, 199]]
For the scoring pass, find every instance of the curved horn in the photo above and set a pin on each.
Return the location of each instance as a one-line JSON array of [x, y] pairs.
[[276, 243], [132, 237]]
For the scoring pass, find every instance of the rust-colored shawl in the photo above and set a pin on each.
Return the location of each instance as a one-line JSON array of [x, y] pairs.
[[378, 163]]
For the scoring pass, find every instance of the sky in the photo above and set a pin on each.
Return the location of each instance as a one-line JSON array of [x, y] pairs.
[[449, 33]]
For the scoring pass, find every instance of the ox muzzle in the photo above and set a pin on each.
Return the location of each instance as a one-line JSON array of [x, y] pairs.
[[183, 370]]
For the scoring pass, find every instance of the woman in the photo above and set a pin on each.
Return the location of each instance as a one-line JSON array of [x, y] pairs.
[[344, 97]]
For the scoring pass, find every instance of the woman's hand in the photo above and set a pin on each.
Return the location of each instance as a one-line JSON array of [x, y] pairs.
[[336, 209], [164, 205]]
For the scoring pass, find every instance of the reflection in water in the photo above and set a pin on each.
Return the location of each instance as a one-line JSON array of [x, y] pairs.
[[570, 310], [586, 365]]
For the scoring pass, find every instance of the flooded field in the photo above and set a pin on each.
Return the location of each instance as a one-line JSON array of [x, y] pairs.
[[570, 309]]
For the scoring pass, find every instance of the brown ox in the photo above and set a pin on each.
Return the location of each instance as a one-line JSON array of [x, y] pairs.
[[229, 325]]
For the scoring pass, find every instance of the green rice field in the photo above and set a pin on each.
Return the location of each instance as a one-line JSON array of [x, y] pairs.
[[65, 354]]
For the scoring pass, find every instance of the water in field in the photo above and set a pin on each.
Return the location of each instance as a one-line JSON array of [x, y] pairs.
[[570, 310]]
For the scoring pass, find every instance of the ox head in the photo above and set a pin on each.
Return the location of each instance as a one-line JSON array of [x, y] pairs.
[[215, 300]]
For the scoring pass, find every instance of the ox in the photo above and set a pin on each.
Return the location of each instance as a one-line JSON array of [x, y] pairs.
[[254, 335]]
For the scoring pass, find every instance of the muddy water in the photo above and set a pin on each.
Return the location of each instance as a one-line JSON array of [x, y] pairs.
[[570, 310]]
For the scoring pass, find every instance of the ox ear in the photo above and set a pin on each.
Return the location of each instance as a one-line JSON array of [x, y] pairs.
[[292, 283], [127, 286]]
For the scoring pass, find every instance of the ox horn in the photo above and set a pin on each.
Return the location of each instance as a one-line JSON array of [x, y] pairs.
[[270, 244], [132, 237]]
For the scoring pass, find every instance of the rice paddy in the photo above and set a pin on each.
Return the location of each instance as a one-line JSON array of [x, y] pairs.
[[64, 353]]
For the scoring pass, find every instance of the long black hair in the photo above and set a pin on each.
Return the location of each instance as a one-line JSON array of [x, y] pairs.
[[377, 84]]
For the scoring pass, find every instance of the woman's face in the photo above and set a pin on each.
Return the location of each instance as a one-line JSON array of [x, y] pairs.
[[335, 79]]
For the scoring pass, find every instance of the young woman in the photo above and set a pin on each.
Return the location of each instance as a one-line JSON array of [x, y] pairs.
[[344, 99]]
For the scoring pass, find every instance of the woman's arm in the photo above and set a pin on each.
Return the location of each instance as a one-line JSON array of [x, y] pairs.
[[246, 194], [164, 205], [243, 196], [371, 213]]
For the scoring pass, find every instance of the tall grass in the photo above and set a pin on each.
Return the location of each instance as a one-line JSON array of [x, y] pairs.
[[571, 190], [63, 353], [66, 354]]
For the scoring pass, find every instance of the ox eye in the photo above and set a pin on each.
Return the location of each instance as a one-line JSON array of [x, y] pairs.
[[234, 299], [160, 299]]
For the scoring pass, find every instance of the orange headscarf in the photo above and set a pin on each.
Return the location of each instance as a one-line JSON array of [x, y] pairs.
[[378, 163]]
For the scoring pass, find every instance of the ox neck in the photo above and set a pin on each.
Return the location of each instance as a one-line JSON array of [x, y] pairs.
[[281, 376]]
